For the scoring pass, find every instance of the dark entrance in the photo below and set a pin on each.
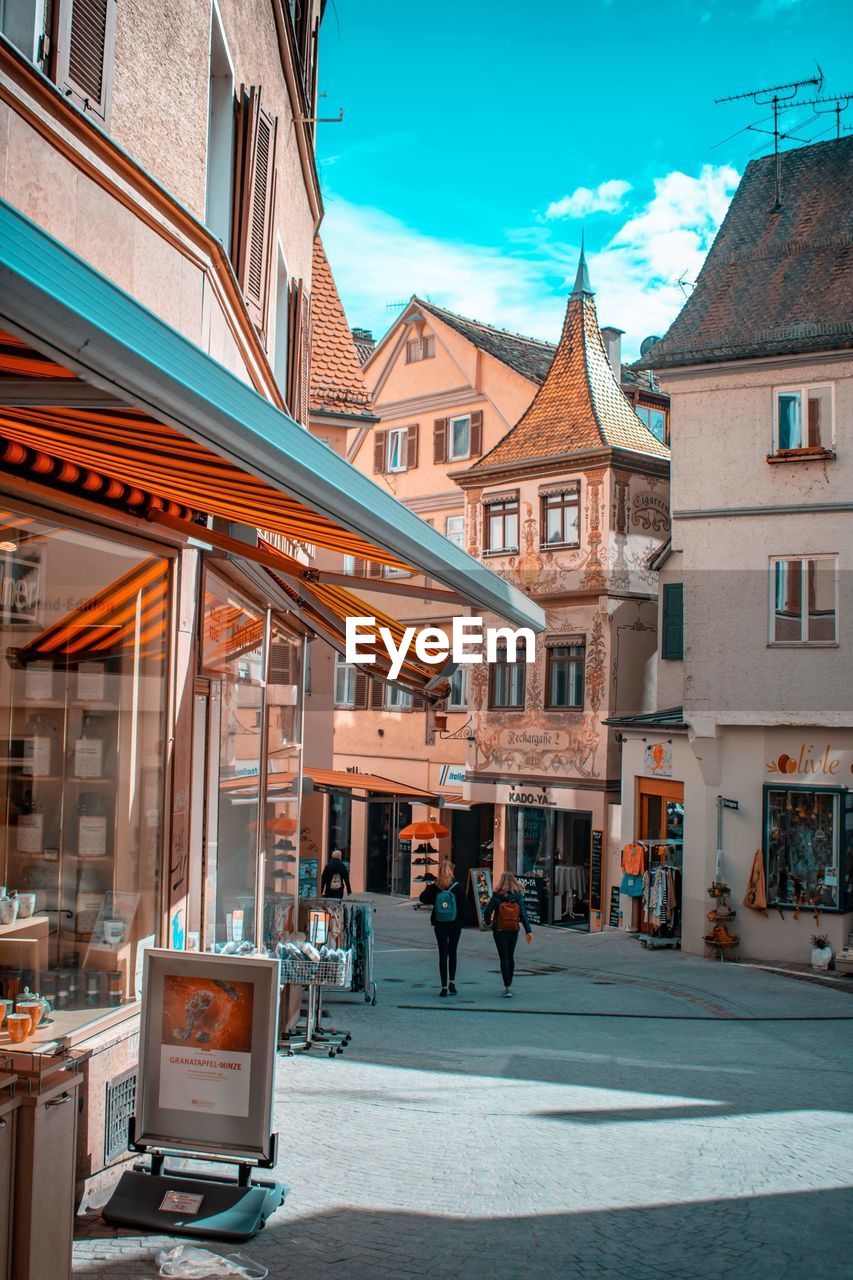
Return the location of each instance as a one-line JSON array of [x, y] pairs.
[[388, 860], [472, 835]]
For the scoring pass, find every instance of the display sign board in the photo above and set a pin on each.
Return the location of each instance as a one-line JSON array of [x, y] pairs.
[[614, 907], [481, 887], [207, 1053], [595, 858], [532, 897]]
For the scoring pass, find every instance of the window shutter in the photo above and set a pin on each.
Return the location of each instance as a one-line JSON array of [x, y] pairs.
[[253, 187], [360, 699], [672, 640], [476, 433], [377, 695], [358, 567], [439, 440], [379, 451], [85, 54], [305, 358], [412, 446], [376, 570], [418, 702]]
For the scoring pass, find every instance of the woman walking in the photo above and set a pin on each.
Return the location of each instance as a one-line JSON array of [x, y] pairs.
[[447, 899], [505, 913]]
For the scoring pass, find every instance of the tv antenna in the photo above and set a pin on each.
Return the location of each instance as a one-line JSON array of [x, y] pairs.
[[840, 102], [779, 97]]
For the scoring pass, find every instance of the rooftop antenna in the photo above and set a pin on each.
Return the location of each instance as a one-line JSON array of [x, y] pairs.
[[779, 96], [840, 102]]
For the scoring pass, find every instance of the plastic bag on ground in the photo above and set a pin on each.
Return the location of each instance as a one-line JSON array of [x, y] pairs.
[[188, 1262]]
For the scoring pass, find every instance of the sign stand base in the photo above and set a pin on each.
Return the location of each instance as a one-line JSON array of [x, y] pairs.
[[206, 1206]]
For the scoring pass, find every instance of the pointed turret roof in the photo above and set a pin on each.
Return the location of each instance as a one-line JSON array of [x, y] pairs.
[[580, 405]]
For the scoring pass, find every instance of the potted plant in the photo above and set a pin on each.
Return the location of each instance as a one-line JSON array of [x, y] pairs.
[[821, 951]]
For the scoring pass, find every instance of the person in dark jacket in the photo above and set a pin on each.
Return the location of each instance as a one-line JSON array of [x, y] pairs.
[[505, 913], [335, 877], [447, 931]]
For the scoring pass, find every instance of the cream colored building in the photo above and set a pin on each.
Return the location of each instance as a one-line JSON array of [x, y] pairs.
[[755, 677]]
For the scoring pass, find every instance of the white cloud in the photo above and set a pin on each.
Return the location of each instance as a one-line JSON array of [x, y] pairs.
[[523, 284], [607, 197]]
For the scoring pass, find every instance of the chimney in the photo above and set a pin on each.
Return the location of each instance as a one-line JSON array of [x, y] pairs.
[[364, 343], [613, 346]]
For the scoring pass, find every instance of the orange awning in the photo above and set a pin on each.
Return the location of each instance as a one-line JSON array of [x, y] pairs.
[[339, 780]]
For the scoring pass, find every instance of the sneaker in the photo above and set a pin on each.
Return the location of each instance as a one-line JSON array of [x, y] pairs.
[[507, 992], [453, 991], [443, 991]]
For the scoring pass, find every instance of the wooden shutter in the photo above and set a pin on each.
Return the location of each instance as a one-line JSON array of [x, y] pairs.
[[379, 439], [360, 699], [418, 703], [85, 54], [476, 433], [439, 440], [412, 446], [304, 406], [253, 192], [376, 570], [358, 567], [377, 695], [672, 626]]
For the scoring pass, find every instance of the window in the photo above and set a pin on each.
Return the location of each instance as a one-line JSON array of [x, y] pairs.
[[252, 222], [803, 606], [803, 839], [672, 622], [349, 564], [506, 684], [219, 194], [459, 441], [22, 22], [281, 348], [420, 349], [345, 676], [561, 518], [454, 530], [85, 53], [395, 456], [655, 420], [397, 699], [803, 418], [501, 525], [565, 676], [457, 699]]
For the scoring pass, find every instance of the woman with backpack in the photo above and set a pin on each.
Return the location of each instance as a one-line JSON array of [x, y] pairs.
[[447, 899], [505, 913]]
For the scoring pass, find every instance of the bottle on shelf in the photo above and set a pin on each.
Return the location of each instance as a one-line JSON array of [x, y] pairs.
[[39, 746], [30, 833], [92, 841], [89, 748]]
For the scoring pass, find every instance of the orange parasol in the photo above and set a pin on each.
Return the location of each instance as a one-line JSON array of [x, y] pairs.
[[424, 831]]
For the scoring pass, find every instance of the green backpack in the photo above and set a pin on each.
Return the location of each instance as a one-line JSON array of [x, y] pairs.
[[445, 905]]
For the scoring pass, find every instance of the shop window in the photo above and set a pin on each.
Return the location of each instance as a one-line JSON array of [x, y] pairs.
[[803, 418], [286, 873], [507, 684], [501, 526], [565, 676], [340, 823], [345, 676], [454, 530], [804, 594], [232, 640], [804, 847], [656, 420], [561, 518], [672, 622], [84, 625], [457, 699]]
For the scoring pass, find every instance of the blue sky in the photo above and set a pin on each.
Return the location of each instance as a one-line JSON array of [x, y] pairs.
[[479, 136]]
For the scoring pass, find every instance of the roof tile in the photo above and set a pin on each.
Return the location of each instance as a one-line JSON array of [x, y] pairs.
[[337, 382]]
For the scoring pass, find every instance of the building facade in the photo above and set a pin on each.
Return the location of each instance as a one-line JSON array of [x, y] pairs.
[[755, 738]]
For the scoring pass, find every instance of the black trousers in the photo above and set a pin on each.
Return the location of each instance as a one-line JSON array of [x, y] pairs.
[[506, 944], [447, 936]]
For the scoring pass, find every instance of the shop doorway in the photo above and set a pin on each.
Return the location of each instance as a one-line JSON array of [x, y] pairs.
[[471, 845], [661, 833], [549, 850], [572, 843], [389, 859]]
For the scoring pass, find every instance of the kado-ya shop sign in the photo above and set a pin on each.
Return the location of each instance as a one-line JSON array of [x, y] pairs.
[[812, 761]]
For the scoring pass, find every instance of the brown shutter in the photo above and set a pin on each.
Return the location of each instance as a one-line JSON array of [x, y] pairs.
[[85, 54], [412, 446], [376, 570], [358, 567], [305, 359], [294, 347], [476, 433], [418, 703], [360, 699], [379, 451], [439, 440], [377, 695], [255, 167]]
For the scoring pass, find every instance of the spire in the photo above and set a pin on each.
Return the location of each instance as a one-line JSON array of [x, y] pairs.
[[582, 285]]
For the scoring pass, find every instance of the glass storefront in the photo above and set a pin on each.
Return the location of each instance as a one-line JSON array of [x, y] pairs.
[[85, 624], [808, 844], [549, 849]]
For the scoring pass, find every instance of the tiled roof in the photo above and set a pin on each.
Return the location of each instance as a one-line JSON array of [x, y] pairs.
[[527, 356], [337, 383], [365, 344], [580, 405], [776, 282]]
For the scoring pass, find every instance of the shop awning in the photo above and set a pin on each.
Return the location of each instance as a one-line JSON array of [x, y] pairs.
[[176, 424], [338, 780]]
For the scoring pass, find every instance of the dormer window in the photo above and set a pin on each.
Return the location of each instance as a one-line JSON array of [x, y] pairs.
[[420, 348], [803, 419]]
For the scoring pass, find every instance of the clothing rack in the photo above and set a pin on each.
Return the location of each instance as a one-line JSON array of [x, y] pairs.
[[661, 904]]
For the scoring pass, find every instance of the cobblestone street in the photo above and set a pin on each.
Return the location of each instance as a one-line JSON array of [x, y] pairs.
[[628, 1114]]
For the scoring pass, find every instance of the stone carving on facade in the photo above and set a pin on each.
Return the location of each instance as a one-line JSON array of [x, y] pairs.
[[596, 663], [565, 750]]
